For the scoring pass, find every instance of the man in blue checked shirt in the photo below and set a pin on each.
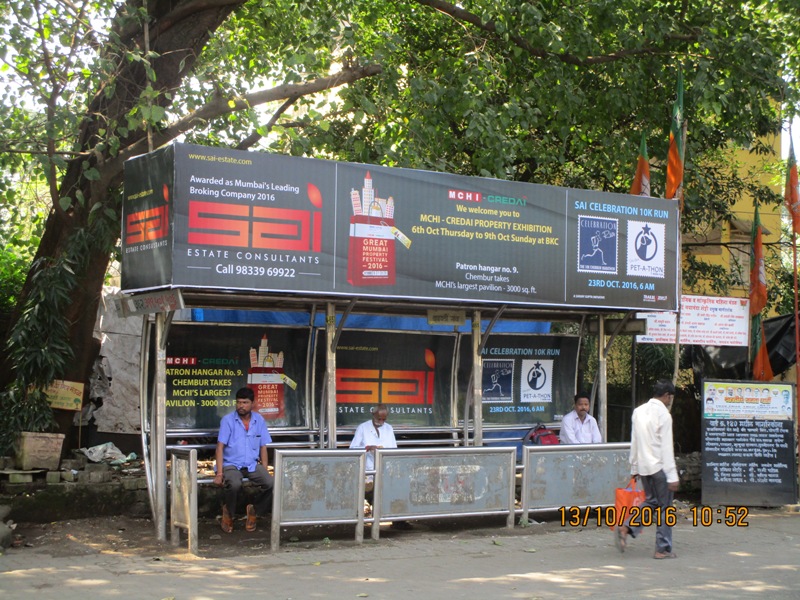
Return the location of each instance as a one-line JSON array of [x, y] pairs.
[[242, 452]]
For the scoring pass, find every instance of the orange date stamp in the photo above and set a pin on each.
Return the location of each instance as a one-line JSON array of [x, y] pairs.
[[646, 516], [634, 516]]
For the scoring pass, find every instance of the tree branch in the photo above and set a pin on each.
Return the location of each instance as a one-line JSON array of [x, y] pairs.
[[490, 27], [254, 137], [162, 23], [217, 108]]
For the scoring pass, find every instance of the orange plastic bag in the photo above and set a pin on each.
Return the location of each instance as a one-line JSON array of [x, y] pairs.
[[625, 499]]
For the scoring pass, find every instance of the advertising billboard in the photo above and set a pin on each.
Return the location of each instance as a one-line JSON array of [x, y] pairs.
[[213, 218]]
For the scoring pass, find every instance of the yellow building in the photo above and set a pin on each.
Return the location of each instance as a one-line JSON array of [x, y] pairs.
[[727, 244]]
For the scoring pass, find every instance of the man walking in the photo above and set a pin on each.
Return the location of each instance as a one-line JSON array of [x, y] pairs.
[[653, 460], [242, 452]]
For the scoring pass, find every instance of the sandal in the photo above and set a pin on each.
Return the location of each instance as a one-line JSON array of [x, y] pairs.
[[227, 522], [250, 523], [663, 555]]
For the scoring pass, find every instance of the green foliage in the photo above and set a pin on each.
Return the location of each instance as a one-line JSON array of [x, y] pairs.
[[22, 410], [22, 218], [38, 343]]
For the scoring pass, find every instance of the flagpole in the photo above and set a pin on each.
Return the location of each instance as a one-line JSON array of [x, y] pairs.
[[792, 201], [796, 328], [677, 356]]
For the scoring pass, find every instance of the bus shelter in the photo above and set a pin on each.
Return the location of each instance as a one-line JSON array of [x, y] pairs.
[[431, 292]]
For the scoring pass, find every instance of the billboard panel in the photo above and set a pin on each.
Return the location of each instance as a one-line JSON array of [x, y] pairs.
[[264, 222], [526, 378], [207, 363], [409, 372]]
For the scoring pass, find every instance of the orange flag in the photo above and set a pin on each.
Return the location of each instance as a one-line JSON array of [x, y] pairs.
[[641, 181], [762, 369], [758, 275], [676, 150], [759, 357]]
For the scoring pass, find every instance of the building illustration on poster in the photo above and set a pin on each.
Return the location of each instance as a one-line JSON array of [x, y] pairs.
[[371, 253], [267, 380]]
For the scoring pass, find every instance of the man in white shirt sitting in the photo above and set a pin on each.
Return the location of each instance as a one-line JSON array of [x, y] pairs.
[[578, 426], [372, 434], [375, 433]]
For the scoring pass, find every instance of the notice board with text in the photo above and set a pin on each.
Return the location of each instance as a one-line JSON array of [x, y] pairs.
[[748, 443]]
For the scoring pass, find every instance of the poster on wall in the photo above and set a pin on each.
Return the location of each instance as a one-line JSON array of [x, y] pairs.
[[705, 320], [214, 218], [409, 372], [748, 443], [208, 363], [526, 378]]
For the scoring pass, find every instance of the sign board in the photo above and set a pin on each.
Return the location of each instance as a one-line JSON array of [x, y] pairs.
[[207, 363], [409, 372], [619, 326], [66, 395], [213, 218], [456, 318], [748, 443], [154, 302], [705, 321], [526, 378]]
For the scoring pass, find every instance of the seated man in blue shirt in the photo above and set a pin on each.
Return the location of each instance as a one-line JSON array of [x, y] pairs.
[[578, 426], [242, 452]]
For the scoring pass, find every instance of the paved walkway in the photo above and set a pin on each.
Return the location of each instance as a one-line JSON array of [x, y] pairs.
[[762, 560]]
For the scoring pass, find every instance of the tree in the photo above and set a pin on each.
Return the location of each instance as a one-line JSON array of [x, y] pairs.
[[548, 92], [101, 76]]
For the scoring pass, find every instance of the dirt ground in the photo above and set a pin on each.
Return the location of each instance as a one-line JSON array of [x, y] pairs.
[[79, 537]]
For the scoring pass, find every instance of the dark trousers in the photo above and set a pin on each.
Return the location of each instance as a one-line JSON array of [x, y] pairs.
[[233, 485], [658, 497]]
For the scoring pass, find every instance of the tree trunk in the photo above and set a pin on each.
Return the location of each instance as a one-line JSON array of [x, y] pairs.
[[177, 33]]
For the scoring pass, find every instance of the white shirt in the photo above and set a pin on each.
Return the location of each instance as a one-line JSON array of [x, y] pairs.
[[575, 431], [368, 435], [651, 441]]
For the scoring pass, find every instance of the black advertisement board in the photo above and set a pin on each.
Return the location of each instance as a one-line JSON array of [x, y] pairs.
[[748, 444], [207, 363], [409, 372], [210, 218], [526, 378]]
